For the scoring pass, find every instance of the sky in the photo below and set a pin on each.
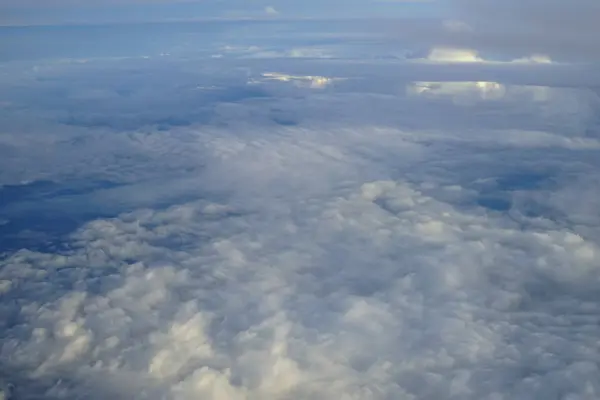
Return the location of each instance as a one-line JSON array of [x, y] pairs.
[[297, 202], [107, 11]]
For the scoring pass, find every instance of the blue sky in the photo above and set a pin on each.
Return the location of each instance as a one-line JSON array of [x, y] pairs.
[[56, 12]]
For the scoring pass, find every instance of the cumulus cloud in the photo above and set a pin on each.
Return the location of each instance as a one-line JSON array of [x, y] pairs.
[[458, 55], [281, 290], [469, 93], [563, 31]]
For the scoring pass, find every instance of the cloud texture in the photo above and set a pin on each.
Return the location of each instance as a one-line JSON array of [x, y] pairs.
[[411, 231], [309, 285]]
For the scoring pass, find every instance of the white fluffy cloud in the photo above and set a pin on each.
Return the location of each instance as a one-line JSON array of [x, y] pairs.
[[312, 279]]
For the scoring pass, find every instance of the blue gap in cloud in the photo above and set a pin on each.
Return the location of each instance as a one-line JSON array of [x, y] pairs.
[[40, 215], [498, 195], [28, 224]]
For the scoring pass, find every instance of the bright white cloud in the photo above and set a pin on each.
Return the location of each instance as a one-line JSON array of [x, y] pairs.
[[456, 55], [313, 82], [453, 55]]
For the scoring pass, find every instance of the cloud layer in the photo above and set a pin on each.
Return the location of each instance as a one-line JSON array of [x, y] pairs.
[[412, 231], [310, 285]]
